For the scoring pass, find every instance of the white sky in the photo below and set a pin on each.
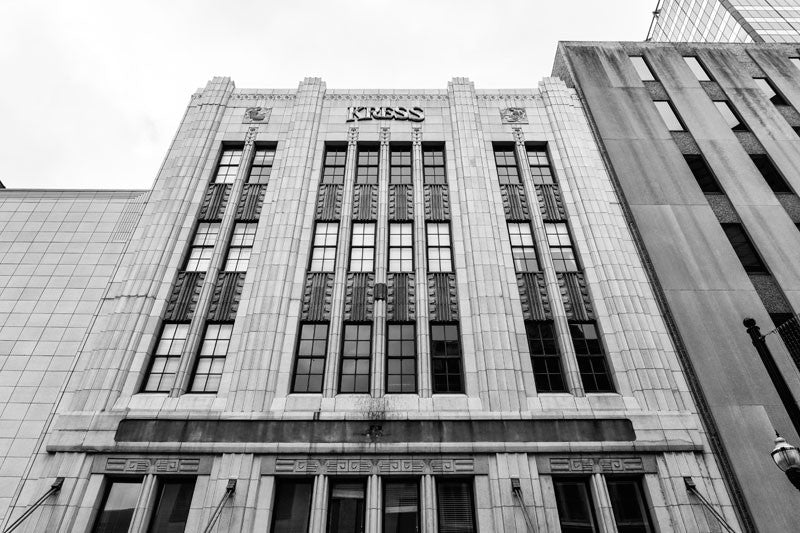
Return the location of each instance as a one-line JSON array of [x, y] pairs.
[[92, 91]]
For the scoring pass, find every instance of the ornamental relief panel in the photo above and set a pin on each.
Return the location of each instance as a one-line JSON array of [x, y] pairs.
[[377, 466]]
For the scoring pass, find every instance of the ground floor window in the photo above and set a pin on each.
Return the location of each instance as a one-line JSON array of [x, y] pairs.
[[629, 504], [347, 506], [119, 502], [576, 508], [400, 506], [172, 505], [455, 504], [292, 505]]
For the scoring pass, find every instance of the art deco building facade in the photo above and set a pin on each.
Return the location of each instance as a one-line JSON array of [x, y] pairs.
[[726, 21], [703, 143], [349, 311]]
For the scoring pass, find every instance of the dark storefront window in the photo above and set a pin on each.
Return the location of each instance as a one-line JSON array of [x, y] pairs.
[[119, 502], [575, 508], [292, 505], [455, 504], [400, 506], [172, 506], [629, 504], [346, 507]]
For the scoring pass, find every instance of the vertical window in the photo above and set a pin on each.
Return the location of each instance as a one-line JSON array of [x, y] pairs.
[[323, 252], [446, 357], [522, 247], [545, 358], [731, 118], [401, 247], [575, 508], [629, 505], [119, 502], [401, 358], [439, 254], [346, 507], [292, 505], [771, 174], [697, 68], [669, 115], [202, 247], [702, 173], [745, 251], [591, 359], [642, 68], [367, 167], [244, 235], [211, 359], [262, 165], [795, 61], [333, 166], [356, 358], [540, 165], [172, 505], [400, 506], [362, 249], [455, 505], [506, 161], [228, 165], [400, 166], [561, 247], [770, 91], [309, 364], [433, 166], [166, 359]]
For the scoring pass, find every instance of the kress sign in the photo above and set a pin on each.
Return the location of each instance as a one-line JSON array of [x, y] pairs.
[[414, 114]]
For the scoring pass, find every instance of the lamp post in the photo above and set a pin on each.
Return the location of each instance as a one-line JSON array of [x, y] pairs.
[[787, 457]]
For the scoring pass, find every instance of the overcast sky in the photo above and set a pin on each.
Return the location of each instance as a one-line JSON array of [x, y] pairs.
[[92, 91]]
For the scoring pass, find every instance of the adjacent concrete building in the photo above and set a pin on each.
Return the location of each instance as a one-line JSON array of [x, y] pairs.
[[348, 310], [703, 144], [726, 21]]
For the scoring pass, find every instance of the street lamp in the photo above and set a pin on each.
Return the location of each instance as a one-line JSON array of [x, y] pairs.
[[787, 457]]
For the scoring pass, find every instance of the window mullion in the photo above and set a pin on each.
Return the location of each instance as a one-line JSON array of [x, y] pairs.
[[424, 383], [380, 265], [145, 505], [602, 505]]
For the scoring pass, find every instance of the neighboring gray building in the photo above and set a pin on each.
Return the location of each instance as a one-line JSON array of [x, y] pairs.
[[374, 310], [703, 144], [726, 21]]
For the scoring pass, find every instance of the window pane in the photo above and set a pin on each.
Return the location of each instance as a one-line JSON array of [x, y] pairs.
[[323, 252], [211, 359], [591, 358], [400, 507], [312, 348], [400, 166], [702, 173], [433, 169], [697, 68], [346, 506], [401, 358], [455, 506], [167, 355], [446, 357], [630, 507], [292, 505], [333, 167], [575, 509], [506, 162], [356, 358], [771, 174], [642, 69], [744, 249], [540, 165], [545, 357], [668, 115], [118, 505], [770, 91], [172, 506], [730, 117]]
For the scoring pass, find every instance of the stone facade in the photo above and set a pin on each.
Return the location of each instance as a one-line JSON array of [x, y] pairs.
[[497, 430]]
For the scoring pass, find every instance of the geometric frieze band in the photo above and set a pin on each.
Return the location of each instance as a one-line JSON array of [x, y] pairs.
[[596, 464], [343, 465], [169, 464]]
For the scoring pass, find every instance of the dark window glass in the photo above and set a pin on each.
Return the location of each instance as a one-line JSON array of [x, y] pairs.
[[446, 356], [166, 358], [591, 359], [780, 318], [455, 505], [323, 251], [262, 165], [400, 506], [346, 506], [211, 359], [545, 357], [228, 165], [401, 358], [433, 170], [367, 165], [401, 247], [172, 505], [561, 247], [668, 115], [575, 508], [205, 237], [540, 165], [744, 249], [292, 505], [333, 165], [356, 358], [522, 248], [439, 255], [702, 173], [119, 502], [796, 130], [642, 68], [310, 362], [629, 504], [362, 248], [506, 161], [698, 69], [770, 91], [400, 166], [731, 118], [242, 240], [771, 174]]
